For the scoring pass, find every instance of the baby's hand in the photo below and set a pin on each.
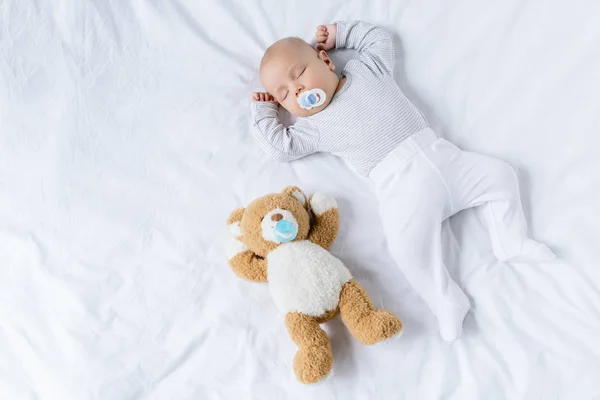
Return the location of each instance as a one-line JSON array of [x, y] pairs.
[[326, 37], [263, 96]]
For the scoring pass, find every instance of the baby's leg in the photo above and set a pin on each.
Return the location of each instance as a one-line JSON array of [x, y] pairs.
[[412, 210], [492, 184]]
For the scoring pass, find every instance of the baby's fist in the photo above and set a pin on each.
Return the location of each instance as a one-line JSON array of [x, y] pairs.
[[326, 35], [263, 96]]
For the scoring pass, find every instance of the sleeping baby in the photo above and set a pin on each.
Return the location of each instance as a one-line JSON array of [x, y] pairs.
[[420, 179]]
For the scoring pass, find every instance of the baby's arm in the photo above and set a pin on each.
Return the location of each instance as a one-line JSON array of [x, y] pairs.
[[277, 141], [374, 44]]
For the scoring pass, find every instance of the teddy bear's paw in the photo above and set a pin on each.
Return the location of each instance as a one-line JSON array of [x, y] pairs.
[[234, 247], [322, 202], [313, 363], [377, 326]]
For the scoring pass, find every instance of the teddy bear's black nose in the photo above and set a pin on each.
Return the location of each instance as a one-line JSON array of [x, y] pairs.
[[276, 217]]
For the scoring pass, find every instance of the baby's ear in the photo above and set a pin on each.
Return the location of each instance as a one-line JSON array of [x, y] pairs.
[[325, 58], [298, 194], [233, 222]]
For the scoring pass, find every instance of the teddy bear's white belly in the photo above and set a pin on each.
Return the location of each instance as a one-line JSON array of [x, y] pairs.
[[305, 278]]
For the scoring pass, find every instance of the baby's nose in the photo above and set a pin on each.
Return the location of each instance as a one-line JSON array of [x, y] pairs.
[[276, 217], [299, 90]]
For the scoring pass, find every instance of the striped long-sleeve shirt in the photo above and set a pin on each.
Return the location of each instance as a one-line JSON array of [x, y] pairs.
[[366, 119]]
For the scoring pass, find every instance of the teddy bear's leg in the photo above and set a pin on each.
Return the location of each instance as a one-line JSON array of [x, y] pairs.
[[314, 358], [368, 325]]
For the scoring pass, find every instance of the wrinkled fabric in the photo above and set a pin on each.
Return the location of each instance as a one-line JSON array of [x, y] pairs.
[[125, 143]]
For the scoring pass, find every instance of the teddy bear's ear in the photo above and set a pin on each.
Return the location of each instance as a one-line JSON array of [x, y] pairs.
[[298, 194], [233, 222]]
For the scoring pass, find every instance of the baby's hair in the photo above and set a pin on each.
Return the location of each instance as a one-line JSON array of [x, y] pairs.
[[288, 41]]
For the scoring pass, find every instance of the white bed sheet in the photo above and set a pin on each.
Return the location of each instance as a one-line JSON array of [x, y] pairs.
[[124, 144]]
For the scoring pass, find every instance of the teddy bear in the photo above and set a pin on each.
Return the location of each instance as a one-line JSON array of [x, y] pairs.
[[283, 239]]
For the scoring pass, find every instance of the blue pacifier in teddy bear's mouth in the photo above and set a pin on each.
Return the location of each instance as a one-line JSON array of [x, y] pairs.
[[285, 231], [311, 98]]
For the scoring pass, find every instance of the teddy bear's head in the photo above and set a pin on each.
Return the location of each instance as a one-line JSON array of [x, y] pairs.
[[271, 220]]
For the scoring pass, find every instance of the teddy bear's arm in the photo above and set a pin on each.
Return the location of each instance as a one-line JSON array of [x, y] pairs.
[[326, 219], [245, 264]]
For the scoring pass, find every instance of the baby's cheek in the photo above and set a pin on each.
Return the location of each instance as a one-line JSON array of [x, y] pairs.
[[293, 108], [317, 82]]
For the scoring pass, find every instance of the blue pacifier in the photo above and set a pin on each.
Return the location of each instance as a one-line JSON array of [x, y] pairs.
[[311, 98], [285, 231]]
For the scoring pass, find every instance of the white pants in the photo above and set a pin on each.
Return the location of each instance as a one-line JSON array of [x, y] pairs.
[[426, 180]]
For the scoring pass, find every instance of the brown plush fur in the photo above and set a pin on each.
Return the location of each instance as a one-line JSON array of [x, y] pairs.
[[314, 357], [368, 325], [249, 266], [328, 316], [235, 216], [291, 190], [325, 228]]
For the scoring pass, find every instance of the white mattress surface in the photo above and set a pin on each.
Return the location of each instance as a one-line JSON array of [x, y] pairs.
[[125, 143]]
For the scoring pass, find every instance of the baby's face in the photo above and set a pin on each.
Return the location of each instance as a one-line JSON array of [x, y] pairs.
[[290, 68]]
